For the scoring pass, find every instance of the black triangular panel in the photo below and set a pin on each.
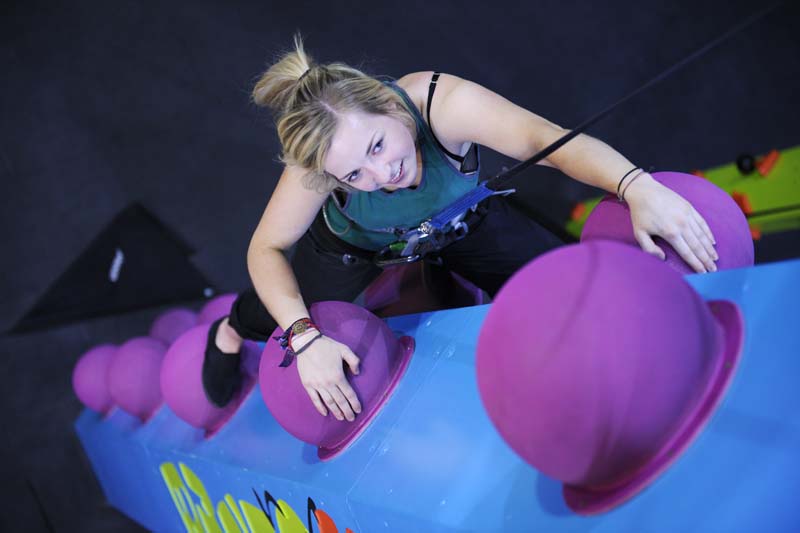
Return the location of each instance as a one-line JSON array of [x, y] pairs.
[[135, 262]]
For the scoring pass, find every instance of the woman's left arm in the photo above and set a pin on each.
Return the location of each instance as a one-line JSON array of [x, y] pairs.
[[464, 111]]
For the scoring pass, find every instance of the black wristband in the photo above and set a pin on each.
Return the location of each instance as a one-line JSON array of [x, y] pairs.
[[306, 345], [622, 196], [290, 354], [628, 173]]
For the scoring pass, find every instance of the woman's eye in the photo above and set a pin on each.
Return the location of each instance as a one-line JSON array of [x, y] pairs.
[[377, 147], [353, 176]]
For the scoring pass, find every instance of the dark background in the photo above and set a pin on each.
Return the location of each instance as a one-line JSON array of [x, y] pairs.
[[107, 103]]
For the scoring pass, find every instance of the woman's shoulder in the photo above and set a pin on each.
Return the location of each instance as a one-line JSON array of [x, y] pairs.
[[416, 85]]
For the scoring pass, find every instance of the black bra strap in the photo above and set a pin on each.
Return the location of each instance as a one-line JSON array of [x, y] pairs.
[[431, 88]]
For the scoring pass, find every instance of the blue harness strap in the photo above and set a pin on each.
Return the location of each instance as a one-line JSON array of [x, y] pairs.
[[460, 206]]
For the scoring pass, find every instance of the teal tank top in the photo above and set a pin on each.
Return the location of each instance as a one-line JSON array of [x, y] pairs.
[[367, 219]]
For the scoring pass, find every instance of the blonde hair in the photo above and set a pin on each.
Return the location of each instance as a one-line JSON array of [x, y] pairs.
[[308, 99]]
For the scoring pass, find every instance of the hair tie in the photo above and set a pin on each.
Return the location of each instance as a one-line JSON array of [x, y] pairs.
[[634, 178], [628, 173], [304, 74]]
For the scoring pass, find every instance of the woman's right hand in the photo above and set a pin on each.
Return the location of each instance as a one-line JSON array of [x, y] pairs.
[[322, 374]]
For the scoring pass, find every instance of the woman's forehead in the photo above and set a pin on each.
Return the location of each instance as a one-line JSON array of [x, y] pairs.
[[352, 139], [354, 122]]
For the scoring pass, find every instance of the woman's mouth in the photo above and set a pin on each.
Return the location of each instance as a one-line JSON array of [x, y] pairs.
[[398, 174]]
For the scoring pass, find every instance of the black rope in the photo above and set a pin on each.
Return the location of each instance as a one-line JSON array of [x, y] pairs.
[[519, 167], [40, 506], [789, 209]]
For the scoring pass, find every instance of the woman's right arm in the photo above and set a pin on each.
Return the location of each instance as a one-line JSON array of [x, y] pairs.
[[288, 215]]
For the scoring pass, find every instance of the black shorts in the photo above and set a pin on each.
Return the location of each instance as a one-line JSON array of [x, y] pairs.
[[498, 244]]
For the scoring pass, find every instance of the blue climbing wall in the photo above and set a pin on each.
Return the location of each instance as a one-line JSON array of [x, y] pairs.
[[432, 461]]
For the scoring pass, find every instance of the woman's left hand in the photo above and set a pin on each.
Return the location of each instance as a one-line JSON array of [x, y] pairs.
[[658, 211]]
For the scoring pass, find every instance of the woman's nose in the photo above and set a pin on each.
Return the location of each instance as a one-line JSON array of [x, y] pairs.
[[381, 170]]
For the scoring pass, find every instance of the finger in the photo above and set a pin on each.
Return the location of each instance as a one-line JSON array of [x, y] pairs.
[[698, 250], [704, 226], [342, 403], [331, 403], [351, 396], [706, 244], [315, 399], [686, 253], [647, 244], [352, 361]]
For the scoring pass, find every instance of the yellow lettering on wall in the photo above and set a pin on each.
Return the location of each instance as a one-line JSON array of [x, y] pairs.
[[245, 518], [181, 499], [206, 508], [235, 510], [227, 520], [255, 518], [288, 521]]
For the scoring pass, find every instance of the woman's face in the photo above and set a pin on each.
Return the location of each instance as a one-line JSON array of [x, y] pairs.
[[371, 152]]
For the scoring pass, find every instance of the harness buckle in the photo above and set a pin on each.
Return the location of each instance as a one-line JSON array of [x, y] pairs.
[[421, 241]]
